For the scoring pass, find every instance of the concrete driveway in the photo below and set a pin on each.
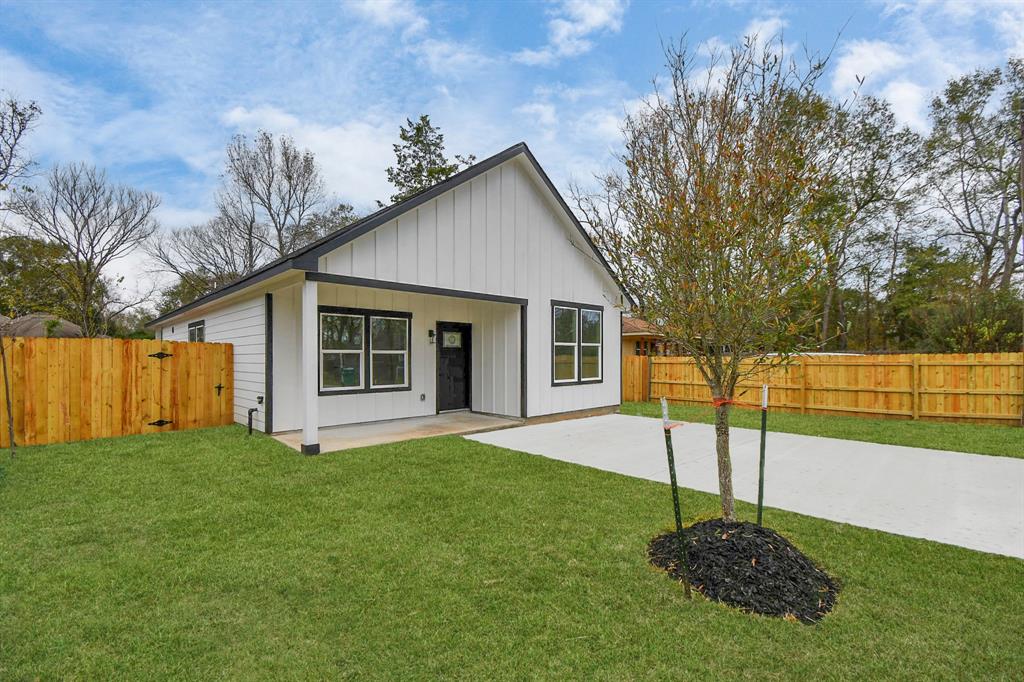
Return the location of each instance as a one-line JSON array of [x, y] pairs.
[[974, 501]]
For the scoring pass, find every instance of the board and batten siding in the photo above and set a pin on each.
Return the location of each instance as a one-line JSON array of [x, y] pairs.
[[495, 356], [242, 324], [500, 233]]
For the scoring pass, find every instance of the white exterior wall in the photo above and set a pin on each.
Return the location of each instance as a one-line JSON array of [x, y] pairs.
[[242, 324], [499, 234], [495, 356]]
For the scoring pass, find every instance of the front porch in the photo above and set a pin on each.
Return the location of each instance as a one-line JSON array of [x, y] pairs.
[[335, 438]]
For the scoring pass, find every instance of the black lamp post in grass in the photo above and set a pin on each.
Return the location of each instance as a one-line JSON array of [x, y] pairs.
[[675, 496]]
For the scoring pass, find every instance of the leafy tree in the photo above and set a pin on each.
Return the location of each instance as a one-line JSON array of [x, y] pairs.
[[976, 168], [420, 161], [16, 120], [711, 220], [27, 267], [319, 225]]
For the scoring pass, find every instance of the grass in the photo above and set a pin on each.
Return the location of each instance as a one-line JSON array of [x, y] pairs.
[[207, 554], [1004, 441]]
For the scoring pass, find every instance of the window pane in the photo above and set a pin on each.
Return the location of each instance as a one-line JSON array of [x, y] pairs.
[[565, 325], [388, 369], [389, 334], [565, 363], [341, 332], [591, 362], [341, 370], [590, 321]]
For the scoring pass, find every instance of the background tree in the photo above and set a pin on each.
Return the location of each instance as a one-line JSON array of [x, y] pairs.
[[976, 169], [875, 159], [711, 222], [16, 120], [282, 182], [95, 222], [420, 161], [27, 267], [321, 224]]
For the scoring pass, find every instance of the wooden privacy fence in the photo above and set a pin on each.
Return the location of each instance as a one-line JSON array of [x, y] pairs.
[[970, 387], [75, 389]]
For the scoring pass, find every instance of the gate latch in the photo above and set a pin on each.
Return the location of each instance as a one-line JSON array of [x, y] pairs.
[[219, 387]]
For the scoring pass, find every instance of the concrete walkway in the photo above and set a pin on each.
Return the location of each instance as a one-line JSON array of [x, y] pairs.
[[974, 501]]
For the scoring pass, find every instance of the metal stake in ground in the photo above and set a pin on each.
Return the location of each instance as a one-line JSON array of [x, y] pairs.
[[683, 568], [764, 430]]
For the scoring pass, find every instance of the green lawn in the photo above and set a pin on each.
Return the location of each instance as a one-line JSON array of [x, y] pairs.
[[1006, 441], [208, 554]]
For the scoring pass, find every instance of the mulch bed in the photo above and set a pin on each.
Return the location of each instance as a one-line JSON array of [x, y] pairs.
[[752, 568]]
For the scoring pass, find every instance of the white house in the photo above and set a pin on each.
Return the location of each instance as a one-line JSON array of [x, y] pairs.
[[482, 292]]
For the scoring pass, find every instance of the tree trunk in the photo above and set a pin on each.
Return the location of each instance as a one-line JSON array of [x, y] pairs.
[[724, 462], [826, 315]]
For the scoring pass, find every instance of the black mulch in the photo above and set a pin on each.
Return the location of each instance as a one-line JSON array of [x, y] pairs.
[[752, 568]]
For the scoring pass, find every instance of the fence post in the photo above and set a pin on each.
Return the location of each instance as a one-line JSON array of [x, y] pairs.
[[914, 380], [803, 385], [650, 375]]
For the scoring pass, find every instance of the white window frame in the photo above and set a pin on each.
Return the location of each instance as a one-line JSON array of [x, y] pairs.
[[332, 351], [555, 343], [404, 353], [194, 328], [599, 345]]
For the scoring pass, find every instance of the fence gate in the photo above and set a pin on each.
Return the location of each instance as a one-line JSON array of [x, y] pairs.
[[66, 390]]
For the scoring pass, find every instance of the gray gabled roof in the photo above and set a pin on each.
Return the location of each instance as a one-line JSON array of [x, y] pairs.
[[307, 257]]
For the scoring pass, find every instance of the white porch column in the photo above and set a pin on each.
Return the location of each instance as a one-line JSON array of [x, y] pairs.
[[310, 365]]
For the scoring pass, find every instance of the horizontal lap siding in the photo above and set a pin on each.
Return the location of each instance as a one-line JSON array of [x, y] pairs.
[[243, 325], [500, 234]]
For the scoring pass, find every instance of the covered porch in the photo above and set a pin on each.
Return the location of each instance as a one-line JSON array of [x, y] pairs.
[[334, 438], [361, 362]]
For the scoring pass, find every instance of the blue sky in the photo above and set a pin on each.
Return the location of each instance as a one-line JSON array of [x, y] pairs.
[[153, 91]]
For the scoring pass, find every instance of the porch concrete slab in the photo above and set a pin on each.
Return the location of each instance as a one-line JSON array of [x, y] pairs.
[[974, 501], [335, 438]]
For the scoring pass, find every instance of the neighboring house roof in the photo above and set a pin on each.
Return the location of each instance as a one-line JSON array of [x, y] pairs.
[[634, 326], [37, 324], [307, 257]]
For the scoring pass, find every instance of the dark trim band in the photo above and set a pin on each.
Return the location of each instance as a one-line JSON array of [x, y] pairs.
[[410, 288], [523, 365], [268, 377], [313, 449]]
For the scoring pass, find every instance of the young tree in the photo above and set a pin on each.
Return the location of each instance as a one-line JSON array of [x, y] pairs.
[[420, 160], [282, 183], [711, 221], [976, 177], [321, 224], [95, 222]]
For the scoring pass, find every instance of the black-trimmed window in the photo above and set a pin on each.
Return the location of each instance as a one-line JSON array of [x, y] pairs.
[[197, 331], [577, 343], [364, 351]]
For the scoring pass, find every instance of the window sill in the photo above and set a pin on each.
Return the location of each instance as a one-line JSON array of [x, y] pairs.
[[578, 382], [363, 391]]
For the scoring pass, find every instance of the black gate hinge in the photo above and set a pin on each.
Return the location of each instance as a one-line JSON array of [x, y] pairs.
[[161, 422], [161, 355]]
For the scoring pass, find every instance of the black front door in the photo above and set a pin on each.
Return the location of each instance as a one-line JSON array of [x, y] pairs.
[[453, 354]]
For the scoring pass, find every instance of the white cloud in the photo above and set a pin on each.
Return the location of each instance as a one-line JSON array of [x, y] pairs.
[[402, 14], [353, 155], [570, 29], [870, 60], [765, 29]]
